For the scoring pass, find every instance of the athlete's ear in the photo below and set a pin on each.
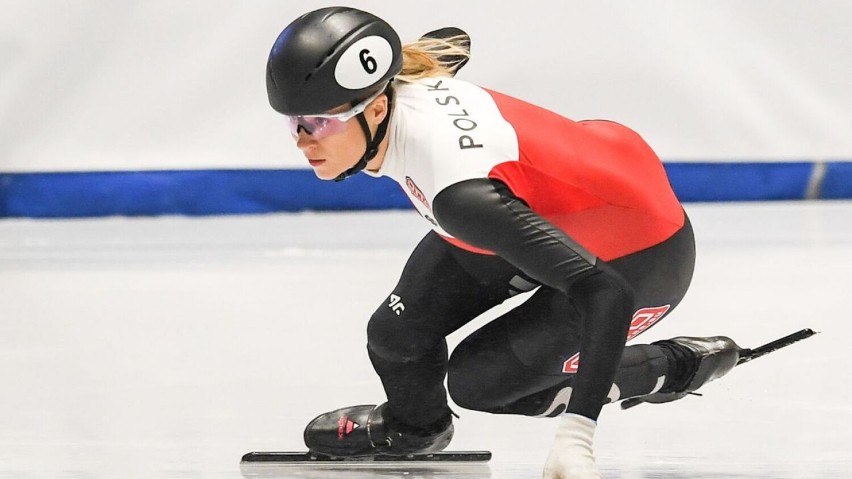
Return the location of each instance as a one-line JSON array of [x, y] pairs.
[[377, 110]]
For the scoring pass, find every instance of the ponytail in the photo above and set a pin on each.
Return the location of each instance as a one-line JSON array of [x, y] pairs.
[[430, 57]]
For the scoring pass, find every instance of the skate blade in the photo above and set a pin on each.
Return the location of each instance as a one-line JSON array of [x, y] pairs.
[[746, 355], [301, 458], [304, 465]]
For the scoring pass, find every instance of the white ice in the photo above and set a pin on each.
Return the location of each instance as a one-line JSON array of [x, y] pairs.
[[168, 347]]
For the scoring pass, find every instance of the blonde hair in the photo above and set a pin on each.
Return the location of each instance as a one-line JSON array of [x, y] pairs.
[[430, 57]]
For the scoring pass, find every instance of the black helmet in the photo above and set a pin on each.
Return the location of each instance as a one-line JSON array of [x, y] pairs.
[[330, 57]]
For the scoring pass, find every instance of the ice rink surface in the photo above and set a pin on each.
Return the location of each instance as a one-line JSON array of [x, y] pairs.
[[168, 347]]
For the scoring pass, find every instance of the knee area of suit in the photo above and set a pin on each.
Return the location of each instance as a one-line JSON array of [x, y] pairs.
[[466, 384], [394, 340]]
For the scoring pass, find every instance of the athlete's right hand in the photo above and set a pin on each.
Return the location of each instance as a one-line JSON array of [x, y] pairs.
[[572, 455]]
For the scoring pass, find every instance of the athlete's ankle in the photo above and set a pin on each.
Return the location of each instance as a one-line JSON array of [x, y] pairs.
[[682, 362], [434, 427]]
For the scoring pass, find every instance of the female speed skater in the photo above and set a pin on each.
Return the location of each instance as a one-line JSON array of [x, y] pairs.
[[519, 199]]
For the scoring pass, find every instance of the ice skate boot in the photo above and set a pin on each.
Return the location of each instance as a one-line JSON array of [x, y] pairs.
[[701, 360], [369, 430]]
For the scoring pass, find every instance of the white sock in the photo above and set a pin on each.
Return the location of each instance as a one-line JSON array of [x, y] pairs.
[[572, 455]]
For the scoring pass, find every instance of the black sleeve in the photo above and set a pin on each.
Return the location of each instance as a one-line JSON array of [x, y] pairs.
[[484, 213]]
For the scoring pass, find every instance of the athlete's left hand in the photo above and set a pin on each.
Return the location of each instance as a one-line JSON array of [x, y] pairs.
[[572, 455]]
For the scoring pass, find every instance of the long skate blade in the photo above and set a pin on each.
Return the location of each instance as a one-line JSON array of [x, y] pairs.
[[302, 458], [746, 355]]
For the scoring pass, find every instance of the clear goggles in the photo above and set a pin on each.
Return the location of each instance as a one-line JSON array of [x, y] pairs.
[[323, 125]]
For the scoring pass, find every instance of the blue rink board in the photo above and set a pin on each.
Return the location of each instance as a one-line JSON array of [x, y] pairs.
[[217, 192]]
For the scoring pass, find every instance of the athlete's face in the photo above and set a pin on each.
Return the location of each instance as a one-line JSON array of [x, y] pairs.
[[335, 147]]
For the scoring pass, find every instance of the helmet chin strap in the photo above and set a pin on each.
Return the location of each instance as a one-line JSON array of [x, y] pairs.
[[372, 142]]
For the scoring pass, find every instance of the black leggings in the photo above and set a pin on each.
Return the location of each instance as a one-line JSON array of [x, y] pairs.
[[523, 361]]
